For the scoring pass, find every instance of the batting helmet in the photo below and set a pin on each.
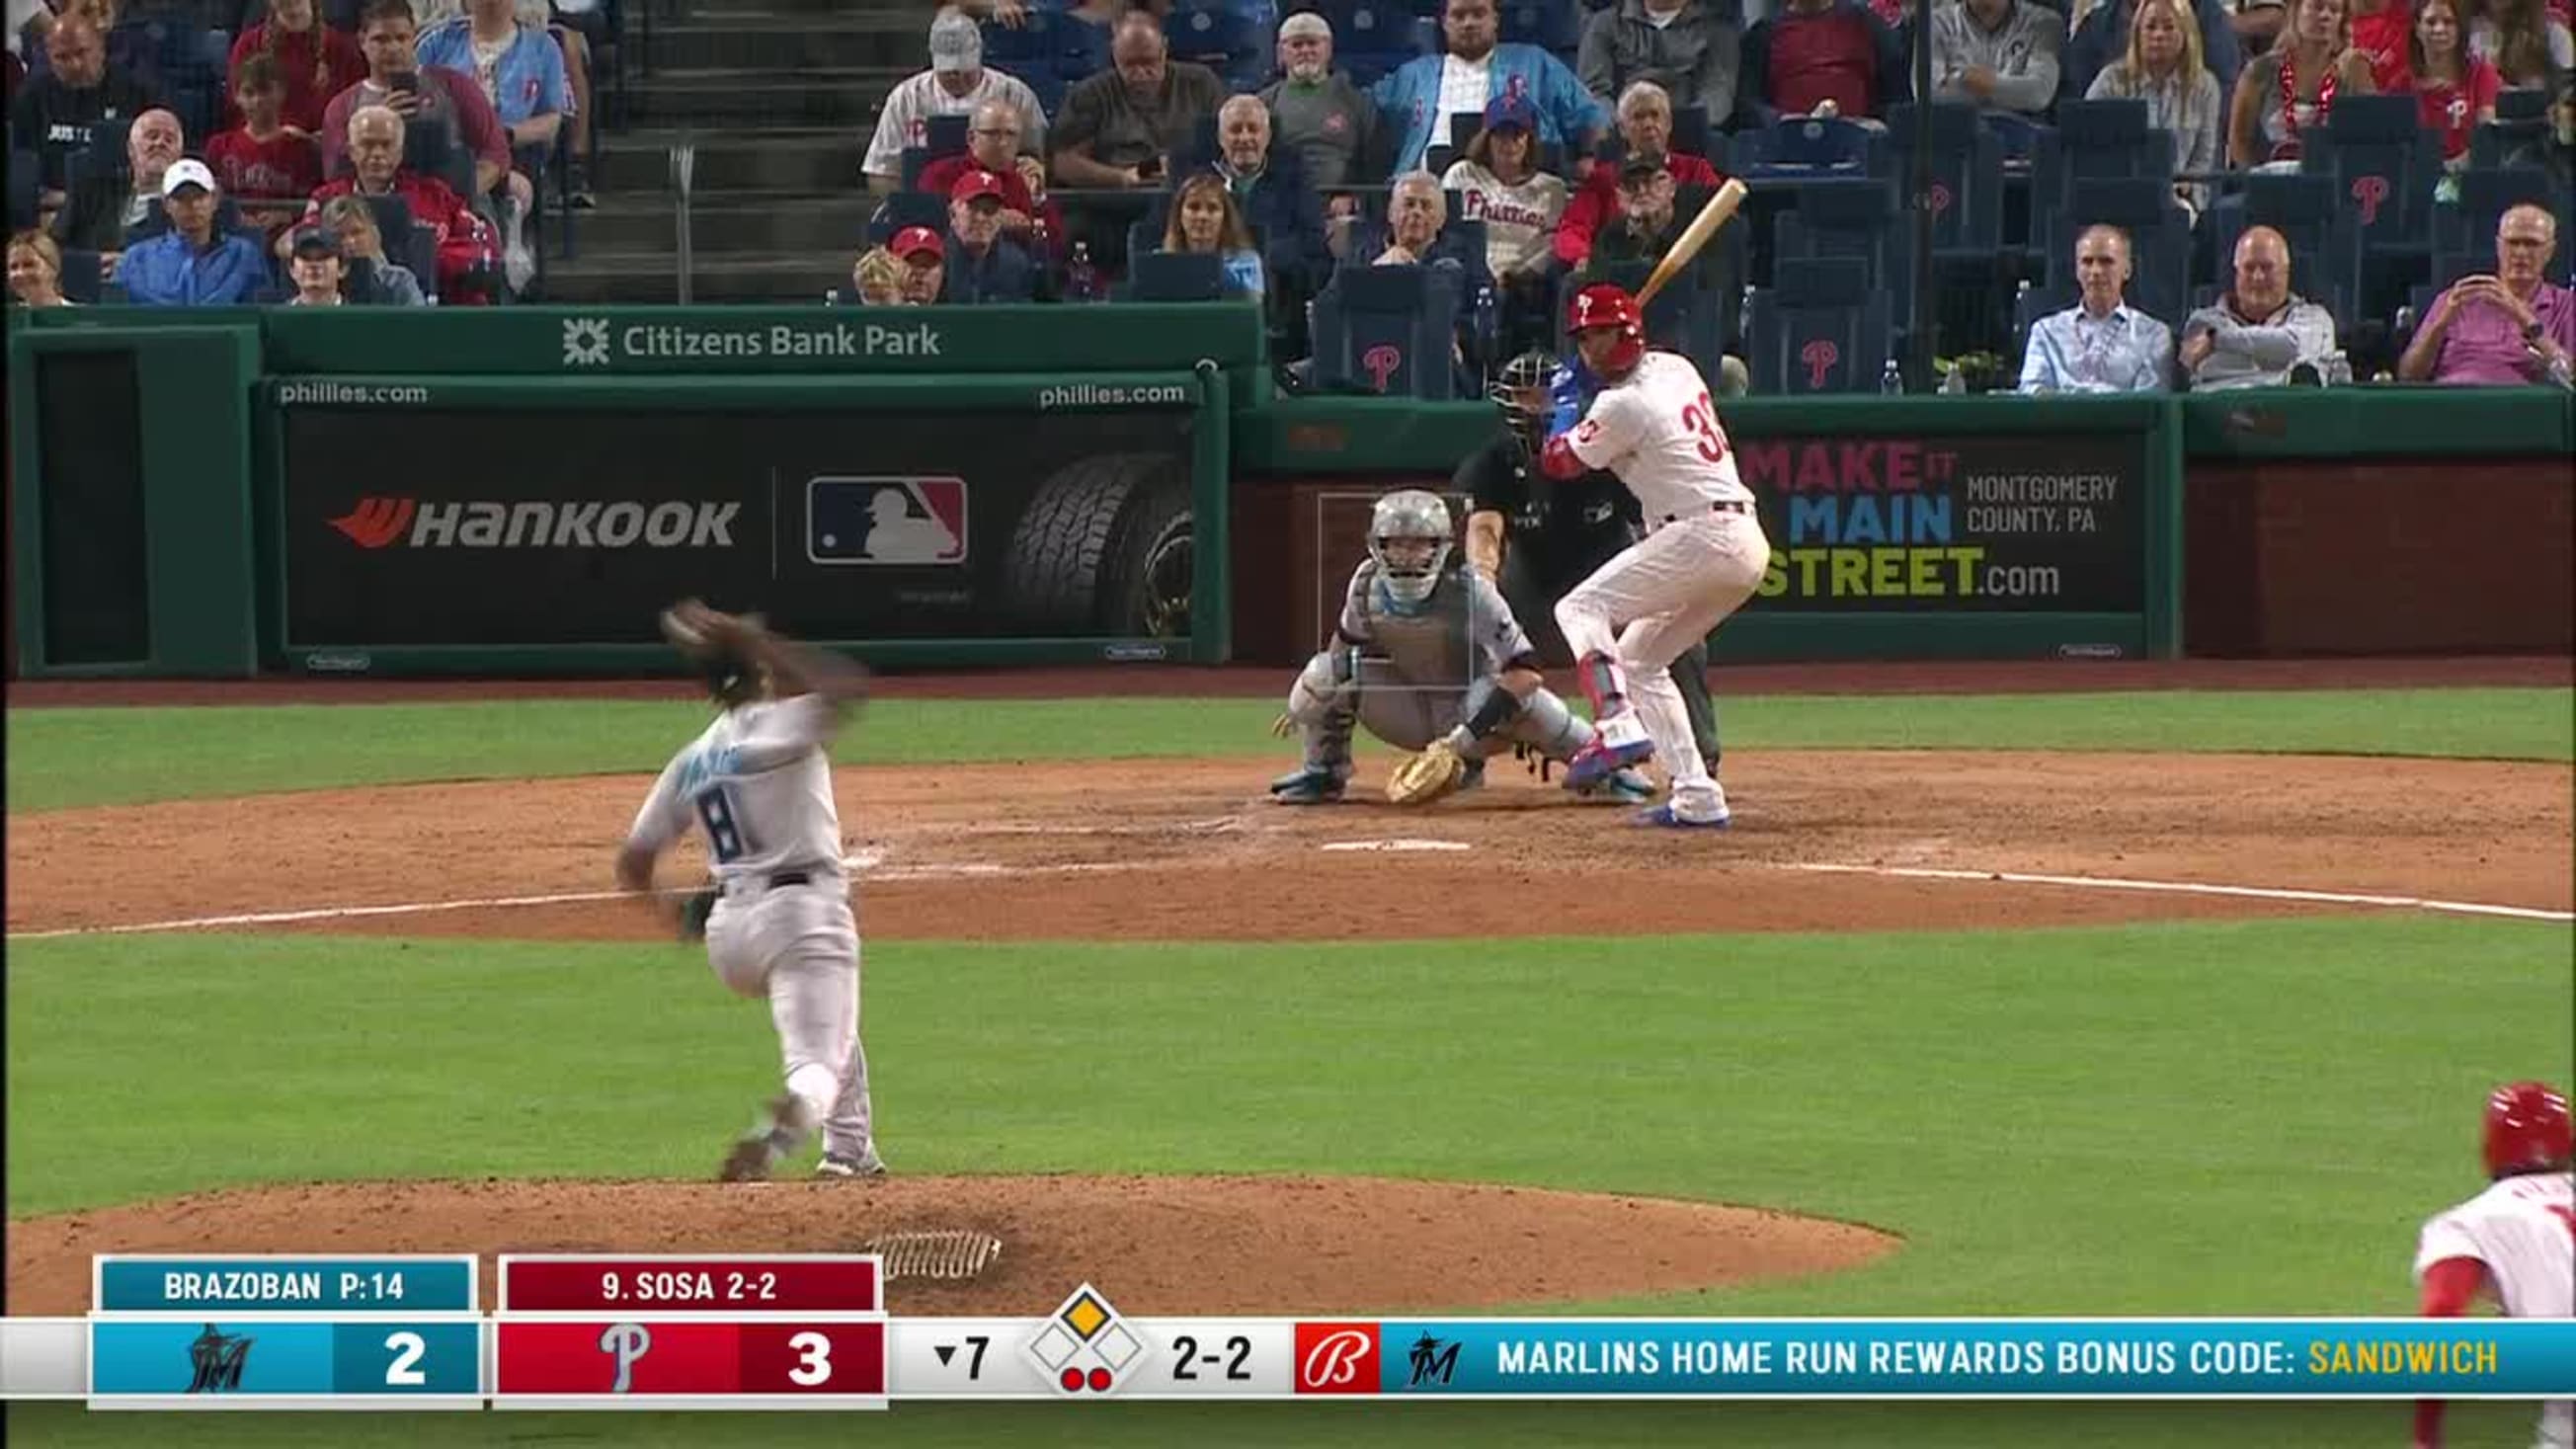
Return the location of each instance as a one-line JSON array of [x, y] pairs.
[[1410, 539], [2527, 1127], [1604, 305]]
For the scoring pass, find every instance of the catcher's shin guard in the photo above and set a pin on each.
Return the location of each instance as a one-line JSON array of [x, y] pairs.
[[1325, 704]]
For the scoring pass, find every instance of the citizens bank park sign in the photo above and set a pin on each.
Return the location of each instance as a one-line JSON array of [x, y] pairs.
[[599, 342]]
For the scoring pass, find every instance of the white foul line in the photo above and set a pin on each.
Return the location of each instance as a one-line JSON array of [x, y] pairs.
[[2196, 888], [864, 860]]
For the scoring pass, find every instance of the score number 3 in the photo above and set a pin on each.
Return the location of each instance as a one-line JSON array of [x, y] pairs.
[[1700, 419], [813, 1360]]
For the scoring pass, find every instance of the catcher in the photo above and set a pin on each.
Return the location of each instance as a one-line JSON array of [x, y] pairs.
[[1431, 660]]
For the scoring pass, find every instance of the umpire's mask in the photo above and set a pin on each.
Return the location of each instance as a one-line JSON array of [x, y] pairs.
[[1410, 539]]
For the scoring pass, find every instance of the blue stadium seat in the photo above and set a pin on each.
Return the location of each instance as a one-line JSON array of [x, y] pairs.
[[2519, 134], [1554, 25], [1967, 166], [1821, 328], [1849, 218], [1386, 330], [1214, 34], [907, 208], [1809, 148], [1370, 37], [80, 279], [944, 136], [2467, 230], [1175, 277], [2094, 140]]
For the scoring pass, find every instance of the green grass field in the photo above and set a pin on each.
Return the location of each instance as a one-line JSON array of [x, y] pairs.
[[2233, 1117]]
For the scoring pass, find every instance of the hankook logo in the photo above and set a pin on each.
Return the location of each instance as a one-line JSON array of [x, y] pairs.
[[377, 522]]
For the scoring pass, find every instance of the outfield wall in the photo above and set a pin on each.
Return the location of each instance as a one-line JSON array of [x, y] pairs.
[[217, 493]]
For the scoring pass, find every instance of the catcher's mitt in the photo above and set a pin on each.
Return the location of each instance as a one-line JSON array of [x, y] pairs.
[[1427, 776]]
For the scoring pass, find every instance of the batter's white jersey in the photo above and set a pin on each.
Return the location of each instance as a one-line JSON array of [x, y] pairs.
[[1658, 430], [2524, 1230], [760, 785]]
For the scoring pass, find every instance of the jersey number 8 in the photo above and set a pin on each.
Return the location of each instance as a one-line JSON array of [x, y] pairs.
[[1701, 418], [724, 829]]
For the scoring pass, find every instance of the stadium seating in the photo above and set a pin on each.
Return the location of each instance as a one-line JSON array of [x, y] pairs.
[[1967, 175], [2305, 210], [2094, 140], [1157, 276], [2160, 242], [1370, 37], [1214, 34], [1849, 218], [1822, 327], [1806, 148], [1386, 330], [1034, 52]]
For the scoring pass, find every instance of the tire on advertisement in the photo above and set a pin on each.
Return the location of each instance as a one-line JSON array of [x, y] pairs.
[[1105, 545]]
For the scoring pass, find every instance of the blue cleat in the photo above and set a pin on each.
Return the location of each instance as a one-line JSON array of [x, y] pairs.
[[1620, 743]]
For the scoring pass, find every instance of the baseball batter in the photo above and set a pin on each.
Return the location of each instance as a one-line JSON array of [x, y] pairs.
[[1427, 657], [2516, 1241], [1652, 424], [1537, 538], [758, 782]]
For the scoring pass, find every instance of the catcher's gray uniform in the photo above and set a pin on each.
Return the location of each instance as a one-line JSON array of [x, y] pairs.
[[1412, 673]]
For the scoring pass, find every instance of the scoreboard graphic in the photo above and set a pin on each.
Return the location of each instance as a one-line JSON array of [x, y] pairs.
[[811, 1332]]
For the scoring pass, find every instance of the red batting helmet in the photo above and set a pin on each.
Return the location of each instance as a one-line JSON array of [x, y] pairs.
[[2527, 1127], [1603, 305]]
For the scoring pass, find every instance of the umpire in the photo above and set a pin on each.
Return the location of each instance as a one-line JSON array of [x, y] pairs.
[[1557, 533]]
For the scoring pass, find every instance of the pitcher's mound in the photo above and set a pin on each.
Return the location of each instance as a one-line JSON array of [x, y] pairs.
[[1276, 1246]]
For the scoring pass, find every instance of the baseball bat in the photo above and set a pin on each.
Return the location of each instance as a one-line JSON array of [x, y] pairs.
[[1694, 236]]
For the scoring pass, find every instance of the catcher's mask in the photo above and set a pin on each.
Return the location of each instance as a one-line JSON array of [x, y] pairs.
[[1520, 389], [1410, 539]]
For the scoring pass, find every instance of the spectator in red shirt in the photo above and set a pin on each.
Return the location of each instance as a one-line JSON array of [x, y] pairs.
[[2382, 30], [264, 164], [2455, 92], [993, 144], [1646, 125], [1822, 58], [314, 61], [465, 241]]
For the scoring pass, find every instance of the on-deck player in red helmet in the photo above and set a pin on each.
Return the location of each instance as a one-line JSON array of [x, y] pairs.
[[1608, 329], [2527, 1128]]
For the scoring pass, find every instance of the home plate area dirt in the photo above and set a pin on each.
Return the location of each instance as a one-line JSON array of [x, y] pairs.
[[1191, 850]]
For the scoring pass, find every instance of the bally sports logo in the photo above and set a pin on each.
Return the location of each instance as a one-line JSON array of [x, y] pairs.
[[1337, 1358], [378, 522]]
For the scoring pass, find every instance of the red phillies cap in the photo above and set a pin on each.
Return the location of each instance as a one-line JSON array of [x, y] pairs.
[[975, 183], [912, 241]]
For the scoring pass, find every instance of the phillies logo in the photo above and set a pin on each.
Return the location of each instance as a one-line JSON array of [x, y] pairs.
[[2369, 191], [625, 1342], [1337, 1358], [376, 522], [1380, 362], [1820, 357], [1940, 198]]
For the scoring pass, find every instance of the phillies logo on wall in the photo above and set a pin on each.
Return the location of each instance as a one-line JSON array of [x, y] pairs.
[[1940, 198], [1337, 1358], [2370, 191], [1381, 362], [378, 522], [885, 520], [1820, 357]]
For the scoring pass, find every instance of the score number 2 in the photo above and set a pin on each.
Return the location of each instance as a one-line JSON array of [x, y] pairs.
[[1186, 1367], [404, 1372]]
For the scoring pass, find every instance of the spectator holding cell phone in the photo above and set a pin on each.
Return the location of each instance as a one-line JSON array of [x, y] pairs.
[[1120, 128]]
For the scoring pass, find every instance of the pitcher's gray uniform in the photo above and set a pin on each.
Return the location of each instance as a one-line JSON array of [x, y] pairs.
[[759, 783], [1413, 669]]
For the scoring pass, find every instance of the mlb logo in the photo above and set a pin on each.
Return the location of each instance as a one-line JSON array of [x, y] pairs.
[[1337, 1358], [907, 521]]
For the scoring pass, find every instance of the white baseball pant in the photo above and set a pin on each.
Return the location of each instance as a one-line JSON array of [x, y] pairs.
[[798, 946], [1647, 606]]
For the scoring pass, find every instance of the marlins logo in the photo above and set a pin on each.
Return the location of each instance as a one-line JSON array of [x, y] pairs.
[[218, 1359]]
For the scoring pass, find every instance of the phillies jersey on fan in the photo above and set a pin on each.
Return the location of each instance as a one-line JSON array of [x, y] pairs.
[[2524, 1230], [758, 781], [1658, 430]]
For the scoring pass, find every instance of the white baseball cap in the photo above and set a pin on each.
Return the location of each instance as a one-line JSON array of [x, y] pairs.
[[188, 172], [1305, 22], [955, 44]]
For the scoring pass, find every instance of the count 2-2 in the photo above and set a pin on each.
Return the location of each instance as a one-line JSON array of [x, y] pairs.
[[694, 1286]]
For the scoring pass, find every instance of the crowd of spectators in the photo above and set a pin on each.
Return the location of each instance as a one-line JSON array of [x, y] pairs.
[[441, 120], [1510, 163], [1471, 163]]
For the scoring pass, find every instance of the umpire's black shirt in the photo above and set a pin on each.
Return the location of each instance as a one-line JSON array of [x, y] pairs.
[[1556, 529]]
